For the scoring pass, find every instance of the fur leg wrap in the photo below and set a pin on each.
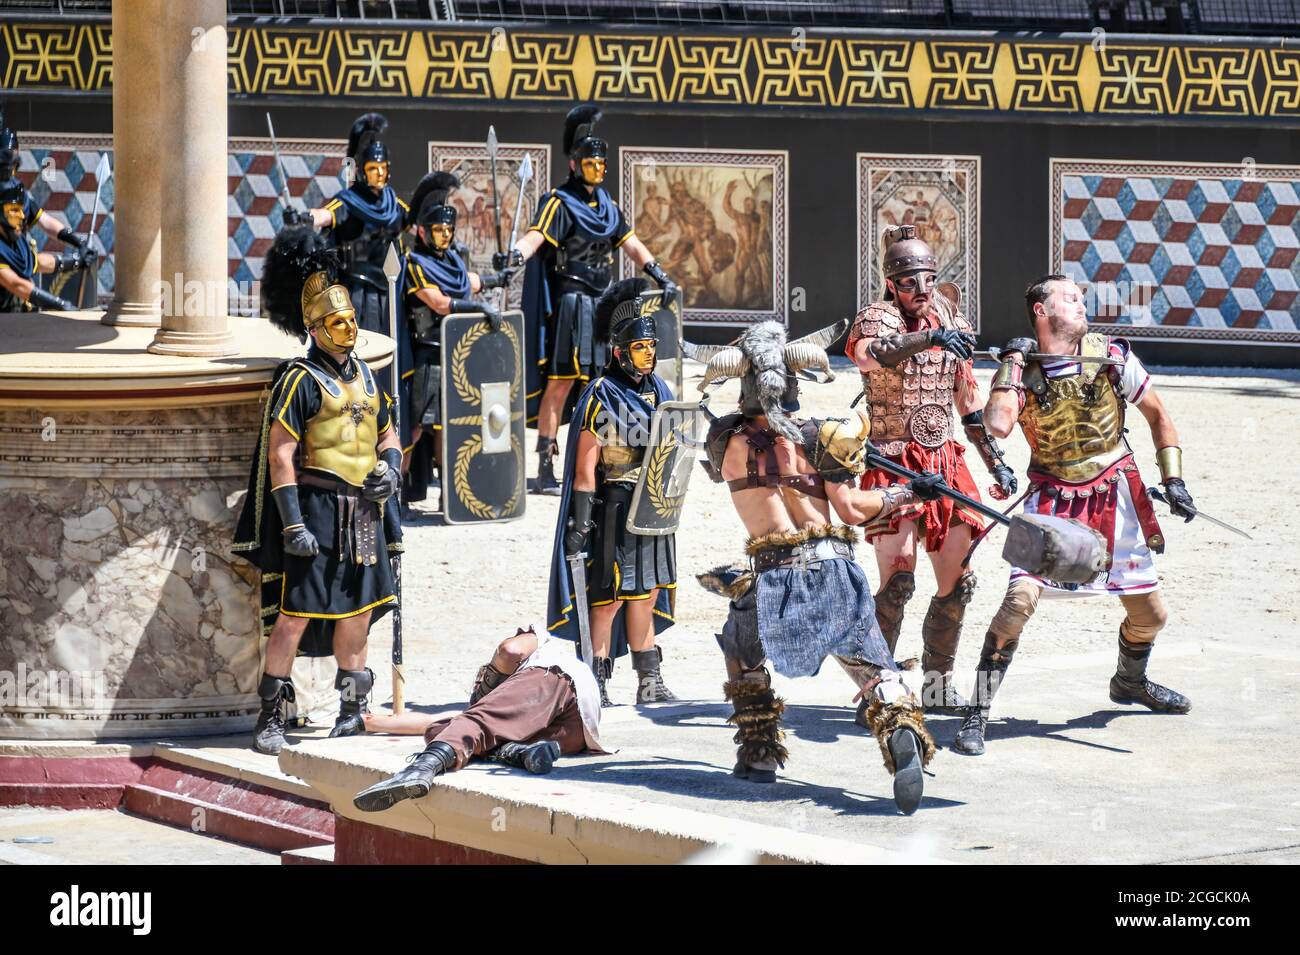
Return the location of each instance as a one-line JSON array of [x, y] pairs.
[[890, 603], [906, 713], [730, 582], [757, 718]]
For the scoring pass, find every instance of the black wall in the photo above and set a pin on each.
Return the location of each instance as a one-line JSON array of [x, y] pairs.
[[823, 219]]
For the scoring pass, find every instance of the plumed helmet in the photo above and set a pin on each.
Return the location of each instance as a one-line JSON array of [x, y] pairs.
[[624, 315], [300, 281], [768, 367], [579, 128], [364, 142], [429, 201]]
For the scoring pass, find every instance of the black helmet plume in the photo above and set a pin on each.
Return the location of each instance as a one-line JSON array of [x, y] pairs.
[[364, 143], [431, 193], [579, 127], [297, 252]]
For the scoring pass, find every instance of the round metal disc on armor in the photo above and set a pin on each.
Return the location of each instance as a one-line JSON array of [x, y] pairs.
[[930, 425]]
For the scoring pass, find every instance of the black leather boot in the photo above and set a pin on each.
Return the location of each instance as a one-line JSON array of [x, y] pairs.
[[412, 782], [1130, 683], [650, 686], [990, 672], [268, 734], [537, 758], [604, 669], [354, 687], [546, 484]]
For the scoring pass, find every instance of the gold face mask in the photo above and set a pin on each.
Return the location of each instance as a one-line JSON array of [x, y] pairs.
[[592, 171], [376, 174], [643, 355], [15, 216], [338, 332], [440, 236]]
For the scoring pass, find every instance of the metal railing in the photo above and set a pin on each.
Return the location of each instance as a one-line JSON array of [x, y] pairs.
[[1226, 17]]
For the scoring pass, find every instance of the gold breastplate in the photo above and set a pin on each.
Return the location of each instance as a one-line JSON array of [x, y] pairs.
[[1074, 424], [620, 461], [341, 436]]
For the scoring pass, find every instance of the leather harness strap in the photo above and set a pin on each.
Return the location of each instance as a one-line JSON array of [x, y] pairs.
[[763, 441]]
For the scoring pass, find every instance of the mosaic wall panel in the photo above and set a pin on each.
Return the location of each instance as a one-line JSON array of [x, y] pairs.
[[1182, 250], [940, 195]]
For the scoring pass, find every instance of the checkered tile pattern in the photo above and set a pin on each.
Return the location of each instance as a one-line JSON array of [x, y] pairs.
[[315, 174], [60, 174], [1195, 248]]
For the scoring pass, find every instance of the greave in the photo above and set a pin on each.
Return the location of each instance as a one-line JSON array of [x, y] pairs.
[[940, 634], [890, 602]]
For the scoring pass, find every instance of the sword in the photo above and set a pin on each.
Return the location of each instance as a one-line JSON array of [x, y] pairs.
[[1156, 493], [393, 268], [525, 177], [578, 571], [996, 355], [103, 172], [496, 198], [279, 164]]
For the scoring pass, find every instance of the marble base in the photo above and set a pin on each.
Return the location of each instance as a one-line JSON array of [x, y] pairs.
[[122, 610]]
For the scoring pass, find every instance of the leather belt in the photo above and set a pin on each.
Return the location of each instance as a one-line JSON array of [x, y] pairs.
[[358, 518], [802, 556]]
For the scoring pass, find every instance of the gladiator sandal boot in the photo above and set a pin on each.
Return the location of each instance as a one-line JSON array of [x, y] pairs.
[[268, 734], [354, 687], [989, 674], [537, 758], [486, 680], [757, 718], [412, 782], [1130, 683], [890, 601], [604, 669], [906, 746], [940, 634], [649, 681], [547, 448]]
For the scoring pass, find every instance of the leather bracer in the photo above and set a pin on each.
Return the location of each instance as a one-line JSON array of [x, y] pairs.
[[892, 350]]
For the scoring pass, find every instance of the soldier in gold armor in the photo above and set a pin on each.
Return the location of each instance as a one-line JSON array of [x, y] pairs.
[[320, 520], [1081, 466], [914, 350]]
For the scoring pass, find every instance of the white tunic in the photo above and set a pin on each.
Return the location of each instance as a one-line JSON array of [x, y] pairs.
[[552, 652]]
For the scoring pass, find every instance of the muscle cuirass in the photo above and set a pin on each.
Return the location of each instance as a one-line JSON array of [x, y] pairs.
[[913, 400], [1074, 424], [341, 437], [586, 260]]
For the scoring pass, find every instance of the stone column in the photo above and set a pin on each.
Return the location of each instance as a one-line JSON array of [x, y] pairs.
[[194, 232], [140, 164]]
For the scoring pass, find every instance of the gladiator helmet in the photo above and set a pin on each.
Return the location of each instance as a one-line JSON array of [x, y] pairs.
[[13, 196], [367, 150], [433, 211], [904, 254], [301, 291], [769, 368], [587, 151], [625, 316]]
